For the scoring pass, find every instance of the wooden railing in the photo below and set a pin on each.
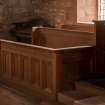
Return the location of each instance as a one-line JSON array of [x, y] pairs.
[[28, 66], [44, 70]]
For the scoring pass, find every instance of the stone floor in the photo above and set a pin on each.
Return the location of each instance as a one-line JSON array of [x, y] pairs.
[[8, 97]]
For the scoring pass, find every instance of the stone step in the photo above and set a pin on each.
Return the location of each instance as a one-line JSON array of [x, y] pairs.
[[69, 97], [98, 100], [87, 87]]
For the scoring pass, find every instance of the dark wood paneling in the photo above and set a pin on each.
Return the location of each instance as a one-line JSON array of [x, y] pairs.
[[75, 64], [100, 46]]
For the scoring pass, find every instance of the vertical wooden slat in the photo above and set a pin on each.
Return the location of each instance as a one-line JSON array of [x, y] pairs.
[[22, 68], [49, 76], [35, 72], [44, 75], [26, 68]]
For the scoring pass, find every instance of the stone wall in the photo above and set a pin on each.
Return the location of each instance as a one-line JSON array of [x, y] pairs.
[[56, 12], [14, 11], [20, 10]]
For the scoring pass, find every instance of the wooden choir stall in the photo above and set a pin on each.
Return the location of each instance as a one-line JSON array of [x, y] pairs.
[[55, 60]]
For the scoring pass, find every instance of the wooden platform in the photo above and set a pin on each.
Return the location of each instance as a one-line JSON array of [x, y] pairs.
[[99, 100], [69, 97], [86, 93]]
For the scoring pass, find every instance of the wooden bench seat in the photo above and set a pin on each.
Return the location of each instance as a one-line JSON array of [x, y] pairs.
[[59, 38]]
